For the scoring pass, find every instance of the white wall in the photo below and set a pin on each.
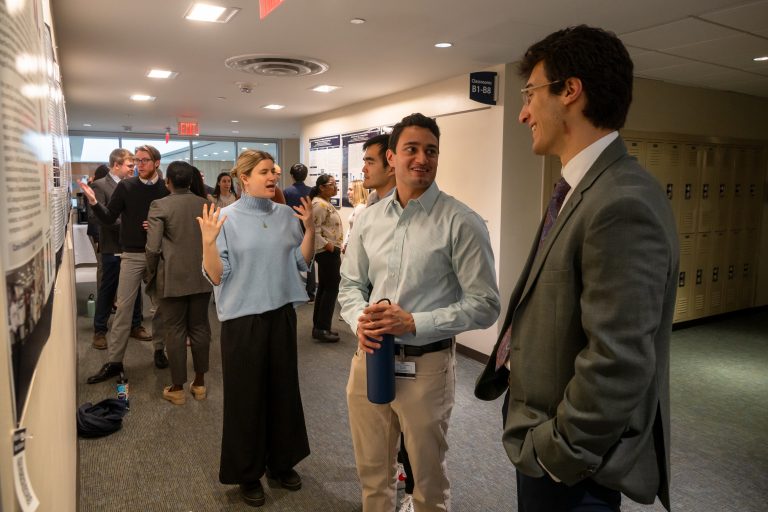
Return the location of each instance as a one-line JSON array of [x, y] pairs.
[[470, 150]]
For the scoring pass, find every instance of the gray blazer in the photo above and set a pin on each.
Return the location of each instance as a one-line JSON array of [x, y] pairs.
[[175, 246], [109, 234], [589, 353]]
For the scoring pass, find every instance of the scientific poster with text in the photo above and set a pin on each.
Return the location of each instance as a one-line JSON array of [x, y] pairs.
[[34, 184], [325, 158]]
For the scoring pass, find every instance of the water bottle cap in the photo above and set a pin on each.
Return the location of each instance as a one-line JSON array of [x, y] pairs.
[[90, 296]]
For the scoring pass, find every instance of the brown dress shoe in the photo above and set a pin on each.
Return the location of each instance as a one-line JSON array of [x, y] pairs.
[[140, 333], [100, 340]]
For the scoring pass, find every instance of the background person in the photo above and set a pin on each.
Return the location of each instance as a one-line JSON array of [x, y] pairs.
[[174, 255], [329, 235], [358, 198], [293, 195], [253, 251], [223, 193]]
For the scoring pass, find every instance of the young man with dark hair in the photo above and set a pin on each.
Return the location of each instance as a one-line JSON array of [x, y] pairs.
[[120, 167], [584, 350], [378, 175], [130, 203], [430, 256]]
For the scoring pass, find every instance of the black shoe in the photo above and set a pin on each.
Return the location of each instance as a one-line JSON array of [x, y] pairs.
[[160, 360], [287, 479], [253, 494], [107, 371], [325, 335], [311, 299]]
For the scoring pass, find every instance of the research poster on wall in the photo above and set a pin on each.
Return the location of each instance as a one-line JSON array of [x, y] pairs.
[[34, 184], [325, 158]]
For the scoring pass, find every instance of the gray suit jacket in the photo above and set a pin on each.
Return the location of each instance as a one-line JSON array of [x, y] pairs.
[[589, 353], [175, 246], [109, 234]]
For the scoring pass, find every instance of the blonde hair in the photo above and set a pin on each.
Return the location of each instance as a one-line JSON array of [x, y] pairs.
[[246, 162], [359, 193]]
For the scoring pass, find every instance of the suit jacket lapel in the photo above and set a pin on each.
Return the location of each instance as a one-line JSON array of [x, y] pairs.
[[608, 157]]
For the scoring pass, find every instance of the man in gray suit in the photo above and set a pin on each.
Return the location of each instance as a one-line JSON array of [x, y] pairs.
[[174, 261], [120, 167], [584, 348]]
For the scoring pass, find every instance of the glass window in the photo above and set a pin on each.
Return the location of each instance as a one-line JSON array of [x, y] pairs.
[[213, 157], [269, 147], [173, 150], [92, 150]]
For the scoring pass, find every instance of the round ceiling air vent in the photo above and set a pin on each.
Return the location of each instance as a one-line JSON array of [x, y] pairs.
[[270, 65]]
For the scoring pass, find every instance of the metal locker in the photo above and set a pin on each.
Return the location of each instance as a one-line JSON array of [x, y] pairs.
[[732, 264], [724, 165], [748, 246], [708, 194], [739, 189], [715, 272], [754, 188], [700, 275], [636, 148], [683, 306], [688, 184]]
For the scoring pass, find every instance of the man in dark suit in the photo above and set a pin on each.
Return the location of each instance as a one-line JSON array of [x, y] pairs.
[[174, 254], [584, 348], [120, 167]]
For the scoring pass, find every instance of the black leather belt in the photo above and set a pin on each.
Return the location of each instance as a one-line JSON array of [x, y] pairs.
[[420, 350]]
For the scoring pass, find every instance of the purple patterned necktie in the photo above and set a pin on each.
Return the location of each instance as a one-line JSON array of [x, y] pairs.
[[553, 208]]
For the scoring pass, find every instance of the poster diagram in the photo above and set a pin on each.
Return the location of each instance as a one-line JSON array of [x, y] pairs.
[[34, 184]]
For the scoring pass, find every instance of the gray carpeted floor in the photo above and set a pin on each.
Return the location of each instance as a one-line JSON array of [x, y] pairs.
[[166, 457]]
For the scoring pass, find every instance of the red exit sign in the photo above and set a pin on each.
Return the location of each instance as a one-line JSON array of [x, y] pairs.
[[267, 6], [189, 128]]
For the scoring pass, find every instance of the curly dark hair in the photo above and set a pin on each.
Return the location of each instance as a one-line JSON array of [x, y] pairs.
[[595, 56]]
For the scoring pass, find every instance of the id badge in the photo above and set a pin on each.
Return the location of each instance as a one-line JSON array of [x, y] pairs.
[[405, 369]]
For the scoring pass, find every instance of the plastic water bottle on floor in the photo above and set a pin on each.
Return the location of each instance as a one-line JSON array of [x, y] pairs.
[[122, 390]]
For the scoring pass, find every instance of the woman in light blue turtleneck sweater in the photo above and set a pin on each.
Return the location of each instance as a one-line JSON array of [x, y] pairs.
[[253, 251]]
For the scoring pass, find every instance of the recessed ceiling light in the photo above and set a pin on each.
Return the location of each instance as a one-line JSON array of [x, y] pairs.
[[235, 121], [215, 153], [226, 151], [210, 13], [222, 98], [273, 106], [357, 21], [235, 131], [325, 88], [443, 45], [87, 124], [161, 73], [245, 147], [761, 59], [142, 97], [205, 155]]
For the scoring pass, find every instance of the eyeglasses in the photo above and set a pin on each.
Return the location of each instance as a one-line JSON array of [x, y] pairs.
[[526, 92], [143, 160]]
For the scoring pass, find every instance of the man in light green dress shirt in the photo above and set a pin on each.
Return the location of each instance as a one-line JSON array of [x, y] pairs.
[[431, 256]]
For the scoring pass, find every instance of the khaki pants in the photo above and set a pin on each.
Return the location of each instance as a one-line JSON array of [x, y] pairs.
[[421, 410], [132, 265]]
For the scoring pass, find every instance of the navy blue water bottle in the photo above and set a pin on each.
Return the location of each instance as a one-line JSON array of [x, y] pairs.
[[380, 368]]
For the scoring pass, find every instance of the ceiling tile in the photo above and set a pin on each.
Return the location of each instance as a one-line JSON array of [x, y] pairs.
[[677, 33], [735, 51], [752, 17]]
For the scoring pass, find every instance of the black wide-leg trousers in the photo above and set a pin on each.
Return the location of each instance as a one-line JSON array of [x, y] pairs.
[[263, 416]]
